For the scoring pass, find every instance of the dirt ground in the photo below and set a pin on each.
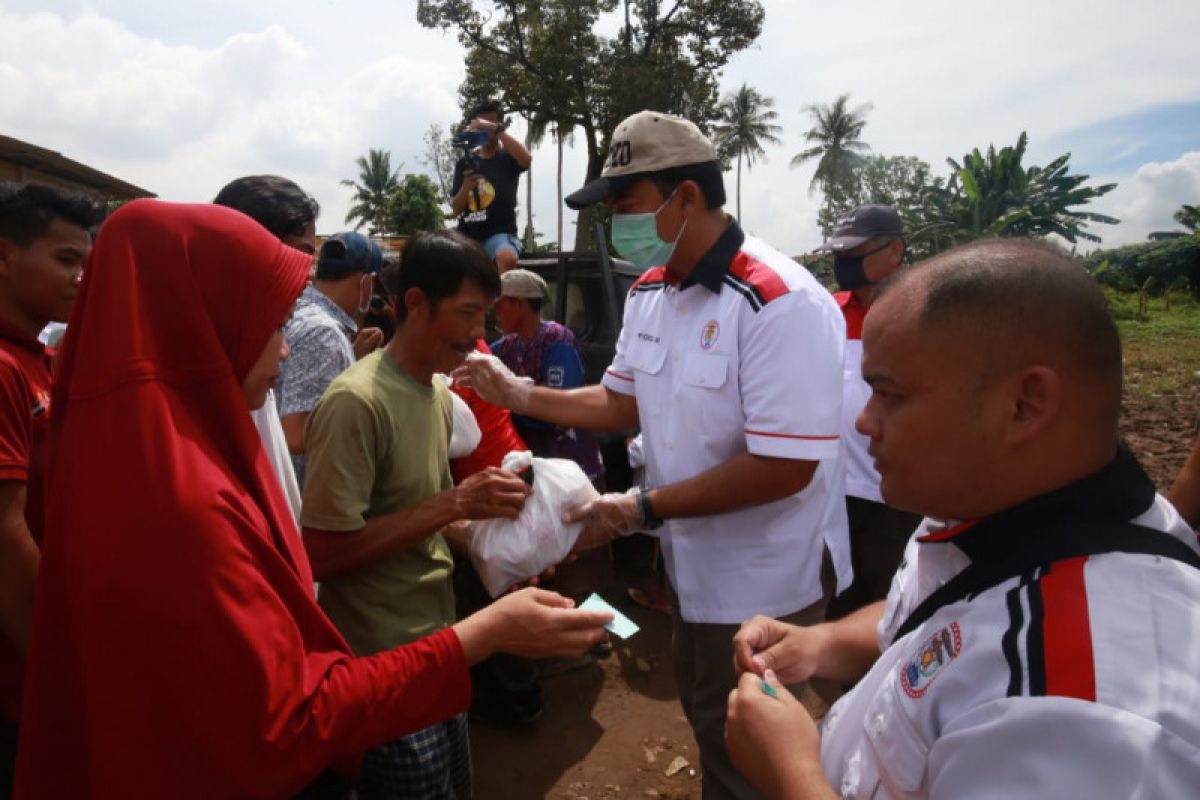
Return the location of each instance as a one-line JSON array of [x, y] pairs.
[[614, 728]]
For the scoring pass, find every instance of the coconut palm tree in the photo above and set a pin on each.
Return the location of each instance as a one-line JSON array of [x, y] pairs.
[[746, 123], [835, 143], [375, 185]]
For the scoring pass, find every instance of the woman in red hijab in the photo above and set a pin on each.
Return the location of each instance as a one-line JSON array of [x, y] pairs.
[[177, 649]]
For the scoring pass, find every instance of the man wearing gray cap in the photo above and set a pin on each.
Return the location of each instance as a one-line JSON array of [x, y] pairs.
[[544, 351], [730, 359], [867, 246]]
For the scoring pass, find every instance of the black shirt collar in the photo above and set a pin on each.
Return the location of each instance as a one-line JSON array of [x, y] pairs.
[[1119, 492], [713, 266]]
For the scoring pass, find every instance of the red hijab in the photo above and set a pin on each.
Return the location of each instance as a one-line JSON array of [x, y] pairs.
[[177, 648]]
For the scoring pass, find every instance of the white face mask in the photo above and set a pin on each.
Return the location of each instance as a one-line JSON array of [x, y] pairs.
[[364, 307]]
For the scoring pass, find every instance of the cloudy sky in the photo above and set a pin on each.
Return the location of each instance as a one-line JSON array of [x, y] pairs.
[[180, 97]]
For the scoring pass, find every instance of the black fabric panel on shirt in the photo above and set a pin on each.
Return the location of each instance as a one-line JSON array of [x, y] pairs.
[[1035, 651], [748, 292], [1008, 643]]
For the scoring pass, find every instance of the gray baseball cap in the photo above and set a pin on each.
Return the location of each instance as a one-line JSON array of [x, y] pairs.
[[524, 284], [863, 224]]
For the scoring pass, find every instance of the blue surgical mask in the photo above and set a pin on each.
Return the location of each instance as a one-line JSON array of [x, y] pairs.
[[635, 237]]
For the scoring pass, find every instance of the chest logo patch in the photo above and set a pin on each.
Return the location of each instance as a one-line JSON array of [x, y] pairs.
[[555, 377], [41, 404], [710, 334], [938, 650]]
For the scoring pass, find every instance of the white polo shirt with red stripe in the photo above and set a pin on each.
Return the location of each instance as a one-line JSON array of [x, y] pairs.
[[1080, 680], [862, 479], [744, 356]]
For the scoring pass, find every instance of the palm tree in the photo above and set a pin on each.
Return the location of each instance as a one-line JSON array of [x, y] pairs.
[[835, 142], [746, 123], [375, 185], [1189, 217]]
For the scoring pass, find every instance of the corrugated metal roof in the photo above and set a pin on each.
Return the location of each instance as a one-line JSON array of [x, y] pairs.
[[58, 166]]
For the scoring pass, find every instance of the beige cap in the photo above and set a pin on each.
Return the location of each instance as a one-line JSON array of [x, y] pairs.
[[648, 141], [523, 283]]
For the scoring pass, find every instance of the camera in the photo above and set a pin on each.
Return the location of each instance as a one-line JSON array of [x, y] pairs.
[[468, 142]]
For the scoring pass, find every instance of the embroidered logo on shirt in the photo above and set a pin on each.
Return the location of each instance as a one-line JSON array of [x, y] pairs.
[[708, 336], [937, 651], [554, 377], [41, 404]]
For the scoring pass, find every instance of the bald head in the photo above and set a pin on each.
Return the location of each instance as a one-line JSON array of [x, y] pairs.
[[995, 372], [1016, 302]]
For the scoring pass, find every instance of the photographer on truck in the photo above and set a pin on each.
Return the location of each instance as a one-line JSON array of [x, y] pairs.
[[485, 184]]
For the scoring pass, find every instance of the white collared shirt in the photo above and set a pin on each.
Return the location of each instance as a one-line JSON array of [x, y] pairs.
[[991, 699], [755, 367]]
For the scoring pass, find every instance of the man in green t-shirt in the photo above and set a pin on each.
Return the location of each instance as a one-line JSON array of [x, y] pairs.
[[378, 496]]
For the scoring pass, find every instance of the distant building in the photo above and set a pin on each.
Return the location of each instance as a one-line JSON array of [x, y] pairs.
[[22, 161]]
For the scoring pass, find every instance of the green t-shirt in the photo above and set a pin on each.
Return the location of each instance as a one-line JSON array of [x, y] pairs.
[[376, 443]]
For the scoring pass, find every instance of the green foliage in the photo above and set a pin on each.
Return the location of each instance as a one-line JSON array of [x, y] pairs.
[[746, 123], [1171, 263], [902, 182], [414, 206], [376, 182], [994, 195], [545, 59]]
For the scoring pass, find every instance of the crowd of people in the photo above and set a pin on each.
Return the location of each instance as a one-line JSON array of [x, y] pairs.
[[235, 513]]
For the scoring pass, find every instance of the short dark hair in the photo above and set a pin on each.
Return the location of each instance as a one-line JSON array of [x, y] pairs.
[[706, 175], [437, 263], [276, 203], [1015, 299], [487, 107], [28, 209]]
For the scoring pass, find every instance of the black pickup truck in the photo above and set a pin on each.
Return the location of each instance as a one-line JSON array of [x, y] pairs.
[[587, 294]]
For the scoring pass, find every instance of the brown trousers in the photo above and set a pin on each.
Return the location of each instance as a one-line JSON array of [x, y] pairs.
[[703, 655]]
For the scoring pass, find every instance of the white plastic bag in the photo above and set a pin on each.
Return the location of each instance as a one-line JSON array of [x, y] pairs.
[[506, 551], [464, 431]]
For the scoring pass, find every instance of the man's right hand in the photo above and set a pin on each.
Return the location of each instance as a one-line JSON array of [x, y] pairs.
[[791, 651], [490, 494], [494, 382], [470, 179]]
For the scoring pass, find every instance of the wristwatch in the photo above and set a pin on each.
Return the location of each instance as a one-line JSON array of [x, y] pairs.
[[650, 521]]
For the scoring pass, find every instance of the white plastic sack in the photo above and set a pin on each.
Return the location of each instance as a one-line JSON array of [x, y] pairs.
[[506, 551], [464, 432]]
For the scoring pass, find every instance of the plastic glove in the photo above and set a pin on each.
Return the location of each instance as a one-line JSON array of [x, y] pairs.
[[606, 518], [494, 382]]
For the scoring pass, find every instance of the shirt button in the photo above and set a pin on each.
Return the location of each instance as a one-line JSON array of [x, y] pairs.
[[879, 723], [676, 356]]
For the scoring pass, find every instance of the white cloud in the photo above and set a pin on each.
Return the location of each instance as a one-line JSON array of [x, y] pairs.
[[1147, 201], [180, 100]]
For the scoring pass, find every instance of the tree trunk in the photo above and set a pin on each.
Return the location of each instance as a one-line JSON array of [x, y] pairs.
[[559, 135], [583, 222], [530, 235], [739, 187]]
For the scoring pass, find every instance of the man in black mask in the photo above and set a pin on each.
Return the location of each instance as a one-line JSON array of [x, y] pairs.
[[867, 246]]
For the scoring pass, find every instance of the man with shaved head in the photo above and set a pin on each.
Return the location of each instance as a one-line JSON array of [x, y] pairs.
[[1039, 638]]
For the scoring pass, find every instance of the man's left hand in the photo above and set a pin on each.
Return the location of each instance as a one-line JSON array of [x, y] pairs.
[[773, 741], [608, 517]]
